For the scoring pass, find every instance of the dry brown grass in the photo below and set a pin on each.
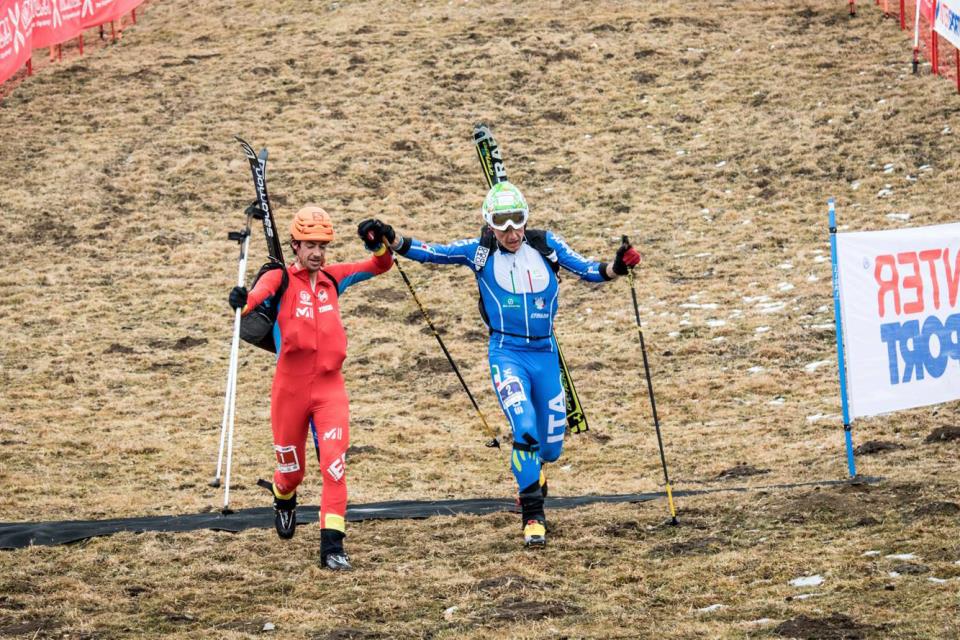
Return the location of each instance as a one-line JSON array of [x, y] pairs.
[[123, 179]]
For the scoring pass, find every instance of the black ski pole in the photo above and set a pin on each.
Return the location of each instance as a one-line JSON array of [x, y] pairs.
[[653, 403], [494, 439]]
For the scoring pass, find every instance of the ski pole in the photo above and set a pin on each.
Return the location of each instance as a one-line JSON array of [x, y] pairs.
[[653, 403], [244, 238], [240, 237], [494, 439]]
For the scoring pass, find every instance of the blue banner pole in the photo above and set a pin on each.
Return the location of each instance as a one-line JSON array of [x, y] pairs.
[[841, 365]]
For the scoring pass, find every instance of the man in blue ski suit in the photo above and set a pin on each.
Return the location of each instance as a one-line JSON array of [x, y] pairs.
[[516, 270]]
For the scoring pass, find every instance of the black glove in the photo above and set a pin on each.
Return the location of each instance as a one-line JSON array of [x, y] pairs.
[[373, 232], [238, 297], [626, 257]]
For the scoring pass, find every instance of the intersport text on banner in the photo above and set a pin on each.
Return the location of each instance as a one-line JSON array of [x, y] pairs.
[[900, 305]]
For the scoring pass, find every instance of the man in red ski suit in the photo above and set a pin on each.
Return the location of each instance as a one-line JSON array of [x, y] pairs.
[[308, 386]]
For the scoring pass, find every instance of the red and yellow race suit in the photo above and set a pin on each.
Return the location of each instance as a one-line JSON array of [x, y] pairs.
[[308, 386]]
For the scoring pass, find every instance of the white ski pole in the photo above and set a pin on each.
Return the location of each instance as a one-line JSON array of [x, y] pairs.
[[234, 357], [223, 423], [243, 238]]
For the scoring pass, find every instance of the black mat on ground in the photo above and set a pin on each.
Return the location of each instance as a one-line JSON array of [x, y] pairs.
[[15, 535]]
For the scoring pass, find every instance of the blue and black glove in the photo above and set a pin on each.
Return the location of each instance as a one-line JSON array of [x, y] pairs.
[[238, 297]]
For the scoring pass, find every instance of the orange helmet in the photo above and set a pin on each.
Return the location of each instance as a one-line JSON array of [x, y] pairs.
[[312, 223]]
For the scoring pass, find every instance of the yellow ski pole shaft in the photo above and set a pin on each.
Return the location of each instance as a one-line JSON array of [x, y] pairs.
[[653, 402], [490, 431]]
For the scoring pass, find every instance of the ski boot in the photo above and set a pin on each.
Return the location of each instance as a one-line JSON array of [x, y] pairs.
[[332, 555], [532, 517], [284, 511], [535, 533]]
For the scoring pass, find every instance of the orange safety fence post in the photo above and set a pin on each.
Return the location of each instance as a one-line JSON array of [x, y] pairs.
[[133, 16], [853, 7], [903, 18], [80, 42], [29, 66]]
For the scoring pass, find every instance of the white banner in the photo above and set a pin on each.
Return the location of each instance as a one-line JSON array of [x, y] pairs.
[[947, 22], [900, 306]]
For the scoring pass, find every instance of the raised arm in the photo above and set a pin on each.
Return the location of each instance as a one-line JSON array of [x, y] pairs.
[[462, 252], [350, 273], [590, 270]]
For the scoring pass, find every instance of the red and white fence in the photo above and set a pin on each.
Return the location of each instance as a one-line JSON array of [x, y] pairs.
[[935, 25], [27, 25]]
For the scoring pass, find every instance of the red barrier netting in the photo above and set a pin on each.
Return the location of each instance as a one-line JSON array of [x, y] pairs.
[[917, 17], [29, 25]]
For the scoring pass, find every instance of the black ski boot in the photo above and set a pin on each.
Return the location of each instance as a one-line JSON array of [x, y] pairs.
[[332, 555], [532, 518], [284, 511]]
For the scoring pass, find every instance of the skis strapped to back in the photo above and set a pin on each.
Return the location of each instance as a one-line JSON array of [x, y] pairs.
[[494, 170], [258, 166]]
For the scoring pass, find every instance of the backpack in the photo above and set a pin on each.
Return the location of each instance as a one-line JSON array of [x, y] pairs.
[[536, 238], [257, 326]]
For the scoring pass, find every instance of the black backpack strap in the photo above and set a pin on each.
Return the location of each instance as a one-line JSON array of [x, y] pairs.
[[537, 238], [336, 285]]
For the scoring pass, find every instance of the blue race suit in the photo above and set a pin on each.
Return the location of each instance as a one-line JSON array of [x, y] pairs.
[[518, 294]]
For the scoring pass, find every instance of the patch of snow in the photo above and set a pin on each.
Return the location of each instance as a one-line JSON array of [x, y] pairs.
[[779, 400], [813, 366], [804, 596], [898, 216], [712, 607], [771, 307], [673, 334], [901, 556], [269, 626], [870, 554], [822, 327], [755, 298], [893, 574], [757, 369], [703, 255], [762, 621], [807, 581], [786, 266], [946, 130], [719, 339], [812, 278], [448, 612], [821, 259], [761, 329], [911, 178], [681, 152], [785, 286], [722, 163], [936, 580], [926, 167], [888, 168], [715, 322], [855, 185], [884, 193]]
